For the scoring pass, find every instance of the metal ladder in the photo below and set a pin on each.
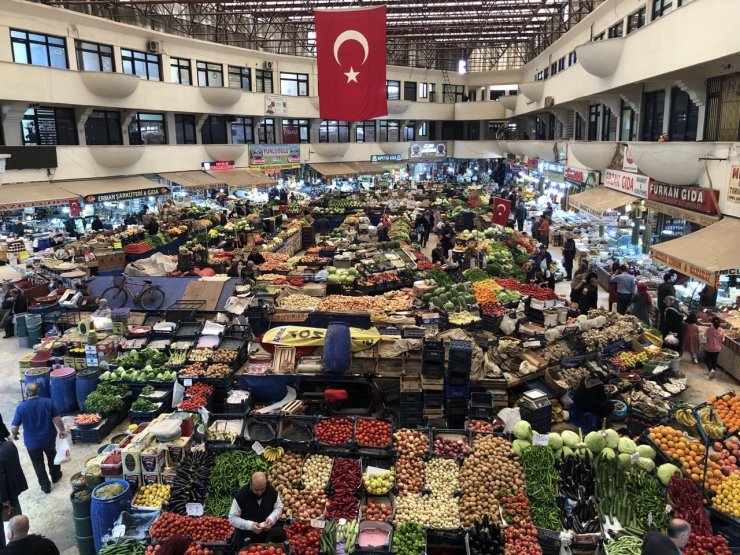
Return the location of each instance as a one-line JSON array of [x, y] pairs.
[[447, 94]]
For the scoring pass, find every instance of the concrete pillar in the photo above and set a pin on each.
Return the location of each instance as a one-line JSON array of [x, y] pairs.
[[256, 122], [169, 121], [12, 115], [81, 114]]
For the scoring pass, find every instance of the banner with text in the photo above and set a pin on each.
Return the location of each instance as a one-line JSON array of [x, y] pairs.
[[630, 183], [694, 198], [126, 195], [274, 156], [733, 189], [432, 151], [276, 105]]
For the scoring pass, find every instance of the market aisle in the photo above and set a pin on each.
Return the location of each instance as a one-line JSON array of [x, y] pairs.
[[50, 515]]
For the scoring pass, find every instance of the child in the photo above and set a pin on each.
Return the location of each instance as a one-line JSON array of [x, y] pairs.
[[691, 337], [715, 335]]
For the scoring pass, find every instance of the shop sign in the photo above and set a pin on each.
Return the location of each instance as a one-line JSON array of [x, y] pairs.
[[576, 204], [276, 105], [32, 204], [217, 165], [628, 163], [691, 198], [428, 151], [291, 134], [702, 274], [533, 163], [385, 157], [733, 189], [580, 177], [682, 213], [574, 175], [126, 195], [637, 185], [274, 156]]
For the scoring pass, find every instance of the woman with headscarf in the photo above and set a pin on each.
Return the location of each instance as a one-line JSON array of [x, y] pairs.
[[672, 324], [641, 303], [569, 254], [589, 296], [579, 280]]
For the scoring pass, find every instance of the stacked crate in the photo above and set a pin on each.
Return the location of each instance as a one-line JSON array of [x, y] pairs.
[[432, 376], [457, 379], [411, 402]]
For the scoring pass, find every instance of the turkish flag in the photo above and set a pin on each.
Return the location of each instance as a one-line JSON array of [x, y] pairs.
[[501, 209], [350, 49], [74, 208]]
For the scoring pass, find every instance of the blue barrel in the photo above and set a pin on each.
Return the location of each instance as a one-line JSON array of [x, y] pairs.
[[84, 385], [41, 379], [337, 348], [104, 512], [62, 386], [20, 325]]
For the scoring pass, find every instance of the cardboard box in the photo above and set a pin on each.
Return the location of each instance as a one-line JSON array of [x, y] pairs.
[[110, 260], [149, 478], [168, 474], [177, 449], [133, 479], [153, 459]]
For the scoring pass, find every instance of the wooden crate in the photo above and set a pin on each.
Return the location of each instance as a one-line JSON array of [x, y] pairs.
[[412, 367], [432, 384], [390, 367], [411, 384], [362, 365]]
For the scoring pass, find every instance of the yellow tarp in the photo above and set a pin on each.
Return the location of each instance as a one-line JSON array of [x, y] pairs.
[[300, 336]]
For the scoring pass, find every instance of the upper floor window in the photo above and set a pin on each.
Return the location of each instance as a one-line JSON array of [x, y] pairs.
[[409, 132], [553, 68], [242, 131], [213, 131], [365, 132], [295, 131], [210, 74], [409, 90], [92, 56], [142, 64], [616, 31], [38, 50], [333, 131], [572, 58], [185, 129], [453, 93], [561, 64], [432, 92], [393, 90], [294, 84], [240, 78], [47, 125], [103, 127], [266, 131], [661, 7], [147, 129], [263, 80], [389, 131], [422, 90], [180, 71], [600, 36], [636, 20]]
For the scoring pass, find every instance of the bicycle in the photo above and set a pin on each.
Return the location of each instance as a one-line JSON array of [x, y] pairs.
[[149, 297]]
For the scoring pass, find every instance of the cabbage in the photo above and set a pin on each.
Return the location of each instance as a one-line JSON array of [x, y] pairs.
[[646, 464], [666, 472], [608, 453], [595, 442], [626, 445], [554, 441], [518, 445], [646, 451], [522, 430], [612, 438], [625, 460], [565, 452], [570, 438]]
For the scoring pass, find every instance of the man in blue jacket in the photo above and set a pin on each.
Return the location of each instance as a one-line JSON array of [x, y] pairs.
[[41, 422]]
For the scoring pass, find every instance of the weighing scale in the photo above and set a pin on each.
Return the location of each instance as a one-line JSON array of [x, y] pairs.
[[535, 399]]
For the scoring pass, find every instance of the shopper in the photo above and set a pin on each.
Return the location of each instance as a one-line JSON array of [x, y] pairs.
[[535, 228], [322, 227], [665, 289], [254, 512], [16, 304], [544, 231], [672, 325], [438, 254], [708, 296], [569, 255], [588, 299], [97, 224], [579, 280], [20, 542], [690, 339], [626, 288], [520, 214], [152, 227], [41, 422], [235, 269], [12, 480], [715, 335], [103, 310], [678, 532], [420, 229], [641, 303]]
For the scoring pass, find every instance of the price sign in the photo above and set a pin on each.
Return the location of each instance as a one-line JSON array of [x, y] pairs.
[[540, 440], [318, 523], [634, 457], [118, 531], [258, 448], [650, 518], [187, 382], [194, 509]]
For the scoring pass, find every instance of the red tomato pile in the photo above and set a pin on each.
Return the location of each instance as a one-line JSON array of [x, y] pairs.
[[376, 511], [521, 535], [303, 538], [492, 309], [203, 529], [527, 289], [373, 432], [706, 545], [262, 550], [199, 550], [197, 396], [334, 431]]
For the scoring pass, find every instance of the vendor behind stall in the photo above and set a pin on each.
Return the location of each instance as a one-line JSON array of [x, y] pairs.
[[590, 396], [103, 310], [256, 257], [255, 510]]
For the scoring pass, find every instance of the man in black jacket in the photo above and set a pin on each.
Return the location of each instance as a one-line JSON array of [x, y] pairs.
[[255, 510], [665, 289], [672, 544], [12, 480], [17, 304], [23, 543]]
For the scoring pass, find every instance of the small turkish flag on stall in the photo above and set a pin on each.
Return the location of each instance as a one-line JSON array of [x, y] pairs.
[[501, 209], [74, 208], [350, 51]]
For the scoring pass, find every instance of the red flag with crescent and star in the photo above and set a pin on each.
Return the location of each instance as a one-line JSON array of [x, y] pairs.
[[350, 50], [501, 209]]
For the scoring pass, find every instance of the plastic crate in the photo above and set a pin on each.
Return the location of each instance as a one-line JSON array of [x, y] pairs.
[[457, 391], [460, 350]]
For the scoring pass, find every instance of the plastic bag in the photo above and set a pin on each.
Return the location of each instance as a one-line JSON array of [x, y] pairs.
[[670, 339], [508, 324], [64, 454], [510, 417]]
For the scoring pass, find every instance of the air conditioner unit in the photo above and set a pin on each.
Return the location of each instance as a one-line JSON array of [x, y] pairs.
[[154, 46], [549, 101], [267, 64]]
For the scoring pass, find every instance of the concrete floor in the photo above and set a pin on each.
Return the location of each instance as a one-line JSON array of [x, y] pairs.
[[51, 515]]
